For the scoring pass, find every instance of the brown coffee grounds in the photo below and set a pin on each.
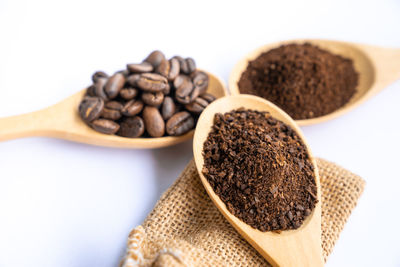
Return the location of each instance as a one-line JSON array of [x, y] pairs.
[[260, 169], [302, 79]]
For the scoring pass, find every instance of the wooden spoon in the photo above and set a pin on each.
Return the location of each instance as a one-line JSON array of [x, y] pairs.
[[63, 121], [378, 67], [300, 247]]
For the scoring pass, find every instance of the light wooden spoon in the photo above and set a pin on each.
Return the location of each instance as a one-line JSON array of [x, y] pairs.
[[300, 247], [378, 67], [63, 121]]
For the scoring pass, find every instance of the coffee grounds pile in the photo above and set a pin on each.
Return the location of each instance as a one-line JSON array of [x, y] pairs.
[[260, 169], [302, 79]]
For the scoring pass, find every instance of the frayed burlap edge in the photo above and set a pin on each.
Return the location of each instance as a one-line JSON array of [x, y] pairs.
[[185, 229]]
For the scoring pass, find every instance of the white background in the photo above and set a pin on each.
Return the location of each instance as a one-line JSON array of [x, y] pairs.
[[69, 204]]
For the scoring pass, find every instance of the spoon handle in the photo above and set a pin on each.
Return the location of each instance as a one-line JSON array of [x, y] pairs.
[[31, 124], [387, 65]]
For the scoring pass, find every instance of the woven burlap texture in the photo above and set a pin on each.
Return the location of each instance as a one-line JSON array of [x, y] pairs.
[[186, 229]]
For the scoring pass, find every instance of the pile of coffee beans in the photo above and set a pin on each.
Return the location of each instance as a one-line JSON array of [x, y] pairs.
[[260, 169], [154, 98], [302, 79]]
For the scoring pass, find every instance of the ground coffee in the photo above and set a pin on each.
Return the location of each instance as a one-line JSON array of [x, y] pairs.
[[260, 169], [302, 79]]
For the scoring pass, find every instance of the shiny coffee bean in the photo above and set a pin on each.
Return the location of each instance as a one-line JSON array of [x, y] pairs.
[[133, 79], [131, 127], [152, 82], [169, 68], [181, 123], [90, 91], [155, 58], [197, 106], [133, 107], [140, 67], [114, 105], [191, 64], [99, 88], [91, 108], [153, 99], [183, 68], [209, 97], [105, 126], [200, 80], [111, 114], [168, 108], [154, 123], [185, 91], [114, 84], [99, 74], [128, 93]]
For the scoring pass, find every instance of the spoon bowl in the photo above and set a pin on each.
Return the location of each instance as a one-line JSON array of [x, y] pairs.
[[300, 247], [63, 121], [377, 66]]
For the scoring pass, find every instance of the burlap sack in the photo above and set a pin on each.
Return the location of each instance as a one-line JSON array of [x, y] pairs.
[[185, 229]]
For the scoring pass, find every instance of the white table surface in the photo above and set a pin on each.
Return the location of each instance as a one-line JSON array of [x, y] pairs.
[[69, 204]]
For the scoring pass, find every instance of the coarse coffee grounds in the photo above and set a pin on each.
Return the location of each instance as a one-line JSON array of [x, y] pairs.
[[302, 79], [260, 169]]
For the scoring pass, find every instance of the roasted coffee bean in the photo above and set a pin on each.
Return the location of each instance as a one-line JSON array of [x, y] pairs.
[[180, 123], [168, 108], [200, 80], [105, 126], [185, 91], [140, 67], [155, 125], [197, 106], [98, 88], [155, 58], [99, 74], [191, 64], [111, 114], [183, 67], [128, 93], [132, 108], [133, 79], [152, 82], [167, 89], [90, 91], [153, 99], [131, 127], [169, 69], [91, 108], [209, 97], [114, 84], [114, 105]]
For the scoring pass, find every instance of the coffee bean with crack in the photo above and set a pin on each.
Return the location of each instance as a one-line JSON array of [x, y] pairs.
[[169, 68], [99, 74], [168, 108], [97, 89], [114, 105], [153, 99], [197, 106], [132, 108], [91, 108], [132, 127], [152, 82], [180, 123], [209, 97], [105, 126], [200, 81], [114, 84], [185, 92], [129, 93], [140, 67], [155, 58], [112, 111], [153, 121]]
